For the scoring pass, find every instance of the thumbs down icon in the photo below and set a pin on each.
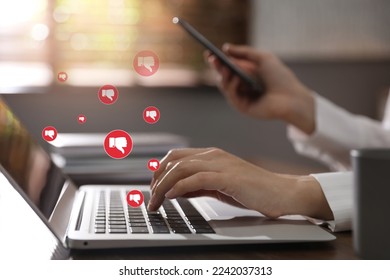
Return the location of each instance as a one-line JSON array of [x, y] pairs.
[[147, 62], [135, 198], [118, 143], [109, 93]]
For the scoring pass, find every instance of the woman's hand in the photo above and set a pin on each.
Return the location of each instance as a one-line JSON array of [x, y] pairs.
[[285, 98], [216, 173]]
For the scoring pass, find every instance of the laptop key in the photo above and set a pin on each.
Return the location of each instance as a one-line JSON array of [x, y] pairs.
[[181, 230], [160, 229], [156, 220], [176, 220], [138, 224], [116, 212], [117, 226], [195, 218], [178, 226], [174, 215], [134, 210], [204, 230], [158, 223], [100, 225], [116, 218], [137, 220], [199, 224], [139, 230], [135, 214], [117, 230], [117, 222]]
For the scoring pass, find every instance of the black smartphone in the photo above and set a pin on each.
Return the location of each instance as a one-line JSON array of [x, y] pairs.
[[254, 88]]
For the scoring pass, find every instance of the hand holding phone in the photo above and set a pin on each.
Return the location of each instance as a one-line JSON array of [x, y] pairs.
[[254, 88]]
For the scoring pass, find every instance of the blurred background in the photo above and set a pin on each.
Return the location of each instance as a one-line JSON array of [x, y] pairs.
[[341, 49]]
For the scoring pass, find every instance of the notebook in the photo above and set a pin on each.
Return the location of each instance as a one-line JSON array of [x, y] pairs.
[[99, 216], [80, 155]]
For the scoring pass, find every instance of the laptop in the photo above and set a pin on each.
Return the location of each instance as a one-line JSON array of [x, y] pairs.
[[98, 216]]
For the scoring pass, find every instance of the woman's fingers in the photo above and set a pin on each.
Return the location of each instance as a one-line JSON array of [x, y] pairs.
[[188, 183], [205, 180], [182, 164], [242, 52], [172, 156]]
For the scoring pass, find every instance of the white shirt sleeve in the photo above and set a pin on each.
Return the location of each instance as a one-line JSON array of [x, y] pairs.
[[338, 132], [338, 190]]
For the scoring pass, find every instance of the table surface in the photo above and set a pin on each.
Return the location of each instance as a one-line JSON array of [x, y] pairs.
[[341, 249]]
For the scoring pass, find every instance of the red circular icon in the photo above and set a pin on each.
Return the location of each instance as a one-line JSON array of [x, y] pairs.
[[151, 115], [81, 119], [135, 198], [118, 144], [62, 76], [49, 133], [146, 63], [153, 164], [108, 94]]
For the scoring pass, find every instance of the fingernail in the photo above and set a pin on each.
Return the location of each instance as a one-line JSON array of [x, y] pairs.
[[151, 203]]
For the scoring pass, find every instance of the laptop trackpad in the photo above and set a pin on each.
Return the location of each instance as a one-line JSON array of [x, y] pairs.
[[216, 210]]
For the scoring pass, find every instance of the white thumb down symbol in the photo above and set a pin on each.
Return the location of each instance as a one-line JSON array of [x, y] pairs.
[[135, 197], [146, 61], [151, 114], [109, 93], [118, 143], [49, 133], [153, 164]]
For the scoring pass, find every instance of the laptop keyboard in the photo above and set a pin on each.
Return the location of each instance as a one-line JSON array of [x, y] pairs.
[[116, 219]]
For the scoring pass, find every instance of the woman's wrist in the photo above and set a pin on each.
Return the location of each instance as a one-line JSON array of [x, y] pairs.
[[310, 199], [301, 113]]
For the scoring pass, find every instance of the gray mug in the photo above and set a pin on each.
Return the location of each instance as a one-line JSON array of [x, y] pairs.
[[371, 215]]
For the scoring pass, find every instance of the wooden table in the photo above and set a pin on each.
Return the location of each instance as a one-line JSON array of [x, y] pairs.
[[341, 249]]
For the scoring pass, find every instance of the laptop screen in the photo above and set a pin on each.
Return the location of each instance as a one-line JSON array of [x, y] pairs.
[[28, 163]]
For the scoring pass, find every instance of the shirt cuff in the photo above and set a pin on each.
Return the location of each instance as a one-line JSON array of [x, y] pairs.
[[338, 190]]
